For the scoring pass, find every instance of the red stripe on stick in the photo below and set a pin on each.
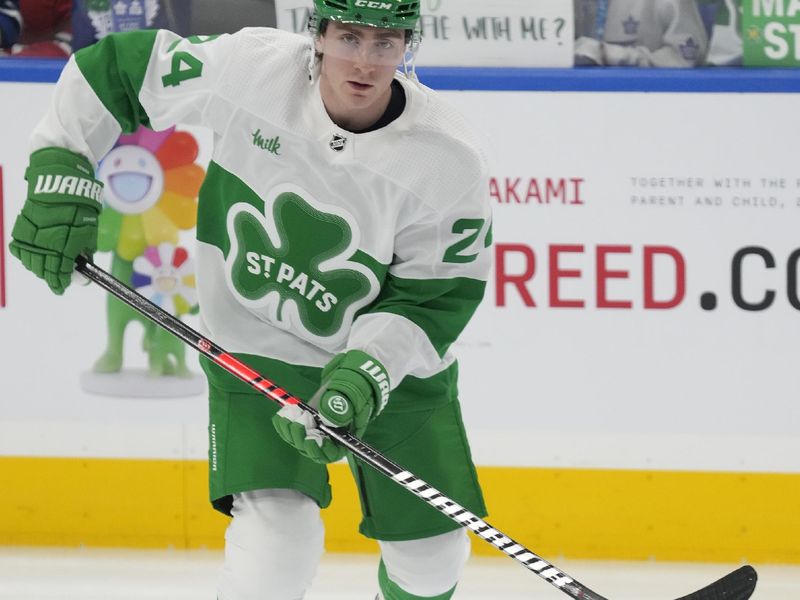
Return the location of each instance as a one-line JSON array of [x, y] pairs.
[[242, 371], [285, 397], [265, 385]]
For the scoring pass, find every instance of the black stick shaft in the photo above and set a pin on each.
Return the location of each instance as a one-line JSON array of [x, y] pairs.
[[363, 451]]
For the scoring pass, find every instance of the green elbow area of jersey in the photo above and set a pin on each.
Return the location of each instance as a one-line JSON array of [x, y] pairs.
[[115, 68], [440, 307]]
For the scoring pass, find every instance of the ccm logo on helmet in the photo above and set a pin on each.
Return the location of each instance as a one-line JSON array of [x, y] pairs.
[[372, 4]]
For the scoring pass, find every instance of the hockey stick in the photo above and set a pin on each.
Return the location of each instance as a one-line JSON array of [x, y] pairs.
[[738, 585]]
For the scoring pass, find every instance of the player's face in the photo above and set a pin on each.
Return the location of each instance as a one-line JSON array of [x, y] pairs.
[[358, 65]]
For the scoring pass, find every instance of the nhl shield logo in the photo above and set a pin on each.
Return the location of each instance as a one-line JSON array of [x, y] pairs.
[[337, 142]]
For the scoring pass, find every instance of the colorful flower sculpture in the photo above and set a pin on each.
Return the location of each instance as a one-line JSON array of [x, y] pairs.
[[150, 195], [165, 276], [151, 186]]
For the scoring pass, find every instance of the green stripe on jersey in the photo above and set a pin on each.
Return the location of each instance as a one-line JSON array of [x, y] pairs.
[[440, 307], [221, 189], [115, 68]]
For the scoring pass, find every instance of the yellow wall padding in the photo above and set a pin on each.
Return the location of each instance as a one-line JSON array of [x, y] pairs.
[[577, 513]]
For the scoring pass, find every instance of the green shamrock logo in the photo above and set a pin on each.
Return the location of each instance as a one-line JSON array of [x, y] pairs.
[[293, 264]]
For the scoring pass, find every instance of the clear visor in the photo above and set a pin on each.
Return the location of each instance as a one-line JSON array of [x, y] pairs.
[[378, 47]]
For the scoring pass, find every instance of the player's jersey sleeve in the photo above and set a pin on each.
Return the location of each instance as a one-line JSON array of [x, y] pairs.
[[435, 282], [147, 77]]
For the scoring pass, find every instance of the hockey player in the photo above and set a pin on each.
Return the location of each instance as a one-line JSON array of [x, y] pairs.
[[642, 33], [343, 245]]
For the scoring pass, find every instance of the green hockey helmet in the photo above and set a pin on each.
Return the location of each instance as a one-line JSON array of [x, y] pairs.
[[387, 14]]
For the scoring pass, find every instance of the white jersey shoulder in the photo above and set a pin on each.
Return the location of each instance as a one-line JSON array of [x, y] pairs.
[[441, 154], [268, 75], [274, 42], [430, 152]]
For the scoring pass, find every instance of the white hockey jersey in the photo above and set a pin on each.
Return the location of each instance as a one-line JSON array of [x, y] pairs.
[[311, 239]]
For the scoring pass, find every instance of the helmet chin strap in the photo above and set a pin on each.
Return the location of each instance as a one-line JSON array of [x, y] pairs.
[[313, 61], [313, 30]]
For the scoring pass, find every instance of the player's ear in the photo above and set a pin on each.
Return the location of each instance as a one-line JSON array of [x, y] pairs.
[[319, 43]]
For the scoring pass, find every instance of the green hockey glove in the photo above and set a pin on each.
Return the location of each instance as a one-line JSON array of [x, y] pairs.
[[355, 391], [59, 218]]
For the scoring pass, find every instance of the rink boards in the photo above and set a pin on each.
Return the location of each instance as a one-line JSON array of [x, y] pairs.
[[629, 384]]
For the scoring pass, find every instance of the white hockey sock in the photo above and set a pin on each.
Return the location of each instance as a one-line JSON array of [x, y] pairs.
[[272, 546], [427, 567]]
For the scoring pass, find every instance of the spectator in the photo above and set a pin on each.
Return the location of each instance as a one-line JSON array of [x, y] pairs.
[[644, 33], [92, 20], [10, 23], [724, 23], [47, 31]]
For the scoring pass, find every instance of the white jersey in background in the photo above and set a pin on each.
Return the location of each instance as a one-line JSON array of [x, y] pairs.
[[654, 33]]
